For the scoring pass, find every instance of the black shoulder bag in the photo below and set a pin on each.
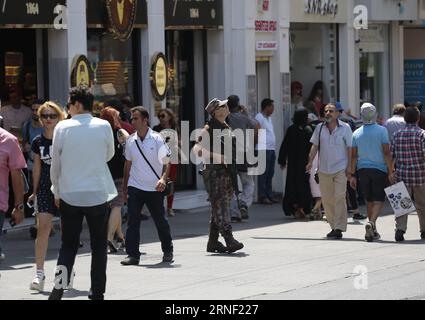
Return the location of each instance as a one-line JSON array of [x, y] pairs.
[[169, 187], [316, 175]]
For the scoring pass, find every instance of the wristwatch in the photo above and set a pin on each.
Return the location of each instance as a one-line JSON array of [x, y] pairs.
[[20, 207]]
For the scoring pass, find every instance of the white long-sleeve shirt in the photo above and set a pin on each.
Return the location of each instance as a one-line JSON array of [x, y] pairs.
[[80, 176]]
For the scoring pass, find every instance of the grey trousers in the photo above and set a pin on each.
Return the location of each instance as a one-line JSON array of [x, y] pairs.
[[417, 193]]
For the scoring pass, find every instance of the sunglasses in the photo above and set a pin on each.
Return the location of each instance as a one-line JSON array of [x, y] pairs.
[[46, 116]]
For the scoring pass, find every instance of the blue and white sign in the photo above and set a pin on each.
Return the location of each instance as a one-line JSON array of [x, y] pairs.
[[414, 80]]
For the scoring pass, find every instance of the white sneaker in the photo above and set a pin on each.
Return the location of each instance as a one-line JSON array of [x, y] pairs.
[[38, 283]]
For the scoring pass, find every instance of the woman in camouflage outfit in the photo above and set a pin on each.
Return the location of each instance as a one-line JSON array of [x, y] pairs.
[[217, 176]]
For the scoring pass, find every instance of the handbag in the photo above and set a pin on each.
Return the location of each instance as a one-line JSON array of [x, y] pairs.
[[169, 186], [400, 200]]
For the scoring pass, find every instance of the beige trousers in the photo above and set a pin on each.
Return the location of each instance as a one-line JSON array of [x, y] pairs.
[[334, 188], [417, 193]]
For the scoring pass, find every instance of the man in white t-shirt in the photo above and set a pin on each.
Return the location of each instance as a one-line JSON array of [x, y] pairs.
[[144, 184], [266, 142]]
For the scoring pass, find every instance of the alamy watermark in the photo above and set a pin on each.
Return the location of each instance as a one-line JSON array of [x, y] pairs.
[[236, 146], [361, 279], [361, 17]]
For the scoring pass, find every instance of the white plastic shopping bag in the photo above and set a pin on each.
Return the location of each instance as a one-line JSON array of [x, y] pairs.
[[400, 199]]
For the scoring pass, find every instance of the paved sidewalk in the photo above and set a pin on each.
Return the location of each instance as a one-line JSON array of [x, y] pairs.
[[282, 259]]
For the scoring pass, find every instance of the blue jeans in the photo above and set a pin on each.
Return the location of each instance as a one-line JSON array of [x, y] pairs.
[[155, 203], [2, 218], [265, 180]]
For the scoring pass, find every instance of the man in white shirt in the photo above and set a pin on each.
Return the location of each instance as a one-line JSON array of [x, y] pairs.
[[15, 114], [333, 141], [268, 143], [145, 176], [396, 122], [82, 185]]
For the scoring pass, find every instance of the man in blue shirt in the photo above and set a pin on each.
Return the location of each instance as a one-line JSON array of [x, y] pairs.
[[372, 156]]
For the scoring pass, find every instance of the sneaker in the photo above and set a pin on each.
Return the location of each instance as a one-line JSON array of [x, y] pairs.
[[130, 261], [358, 216], [168, 257], [338, 234], [335, 235], [369, 232], [170, 212], [244, 213], [331, 234], [376, 236], [399, 236], [37, 283]]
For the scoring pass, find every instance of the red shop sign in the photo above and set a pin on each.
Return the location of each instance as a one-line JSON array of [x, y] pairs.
[[265, 26]]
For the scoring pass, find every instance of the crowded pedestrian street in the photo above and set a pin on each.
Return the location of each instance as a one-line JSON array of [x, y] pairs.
[[284, 259], [248, 150]]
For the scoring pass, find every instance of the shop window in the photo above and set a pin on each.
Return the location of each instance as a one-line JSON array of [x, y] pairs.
[[112, 63]]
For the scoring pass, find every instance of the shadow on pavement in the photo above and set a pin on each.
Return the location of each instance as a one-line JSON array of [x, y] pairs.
[[343, 239], [161, 265], [229, 255]]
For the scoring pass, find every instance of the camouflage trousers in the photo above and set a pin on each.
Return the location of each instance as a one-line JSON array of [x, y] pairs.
[[220, 192]]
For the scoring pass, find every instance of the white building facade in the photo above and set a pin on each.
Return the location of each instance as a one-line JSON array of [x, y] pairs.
[[252, 48]]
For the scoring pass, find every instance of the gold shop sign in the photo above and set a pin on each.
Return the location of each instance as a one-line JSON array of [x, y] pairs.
[[81, 72], [159, 76]]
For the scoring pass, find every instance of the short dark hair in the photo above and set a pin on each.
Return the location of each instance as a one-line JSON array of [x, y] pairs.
[[265, 103], [233, 103], [412, 115], [127, 101], [82, 95], [116, 104], [142, 110], [418, 104]]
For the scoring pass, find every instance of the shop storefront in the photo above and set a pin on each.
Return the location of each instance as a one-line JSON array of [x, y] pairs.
[[381, 54], [414, 59], [374, 58], [23, 34], [187, 28], [314, 45], [113, 47]]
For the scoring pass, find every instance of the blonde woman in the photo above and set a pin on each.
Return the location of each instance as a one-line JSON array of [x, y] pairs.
[[44, 203]]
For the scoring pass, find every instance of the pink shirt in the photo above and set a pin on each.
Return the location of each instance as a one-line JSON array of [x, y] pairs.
[[11, 158]]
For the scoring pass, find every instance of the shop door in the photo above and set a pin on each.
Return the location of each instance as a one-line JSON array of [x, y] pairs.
[[181, 95], [18, 64], [372, 82], [263, 82]]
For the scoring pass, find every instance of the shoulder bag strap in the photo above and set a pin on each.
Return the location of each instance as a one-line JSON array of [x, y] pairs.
[[147, 161], [318, 149]]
